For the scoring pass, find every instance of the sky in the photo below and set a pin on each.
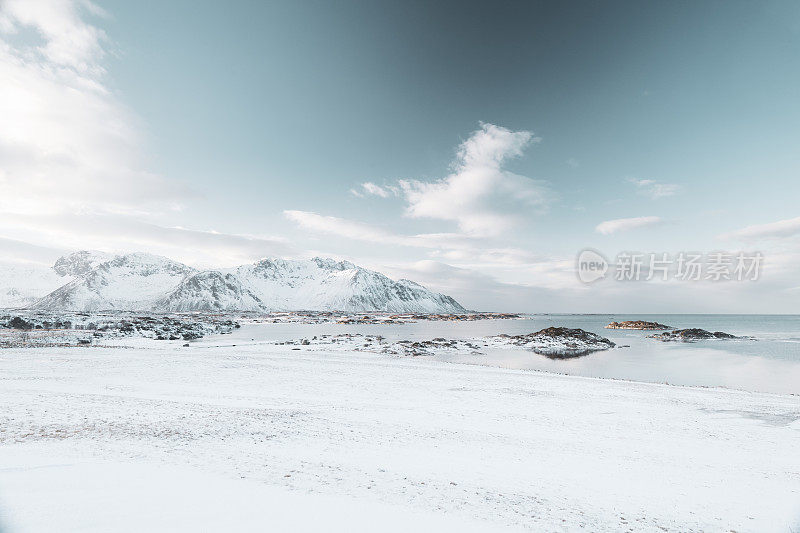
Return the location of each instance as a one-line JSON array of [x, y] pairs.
[[474, 147]]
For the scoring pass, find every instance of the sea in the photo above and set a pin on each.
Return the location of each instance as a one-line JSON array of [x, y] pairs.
[[766, 360]]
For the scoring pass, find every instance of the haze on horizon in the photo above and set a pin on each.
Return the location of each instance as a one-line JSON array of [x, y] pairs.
[[474, 148]]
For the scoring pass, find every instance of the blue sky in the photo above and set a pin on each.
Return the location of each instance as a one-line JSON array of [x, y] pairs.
[[498, 139]]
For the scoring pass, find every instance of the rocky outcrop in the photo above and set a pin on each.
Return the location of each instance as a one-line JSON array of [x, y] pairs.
[[637, 324], [690, 335], [559, 342]]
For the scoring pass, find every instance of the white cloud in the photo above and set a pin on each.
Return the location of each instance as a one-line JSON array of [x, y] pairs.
[[463, 249], [359, 231], [339, 226], [655, 190], [119, 233], [479, 195], [781, 228], [67, 144], [376, 190], [624, 224], [73, 173], [68, 41], [370, 189]]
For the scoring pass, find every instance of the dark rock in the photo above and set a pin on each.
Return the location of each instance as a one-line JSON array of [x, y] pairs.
[[690, 335], [560, 342], [637, 324], [19, 323]]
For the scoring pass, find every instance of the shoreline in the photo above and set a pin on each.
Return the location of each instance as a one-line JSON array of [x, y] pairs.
[[735, 364], [433, 359]]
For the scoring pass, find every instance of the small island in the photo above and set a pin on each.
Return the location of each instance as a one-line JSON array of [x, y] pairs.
[[637, 324], [558, 342], [691, 335]]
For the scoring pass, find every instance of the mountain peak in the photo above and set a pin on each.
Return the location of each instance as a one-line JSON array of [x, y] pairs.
[[332, 264], [146, 259], [80, 263]]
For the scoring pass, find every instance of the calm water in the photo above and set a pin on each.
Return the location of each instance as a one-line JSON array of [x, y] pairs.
[[770, 362]]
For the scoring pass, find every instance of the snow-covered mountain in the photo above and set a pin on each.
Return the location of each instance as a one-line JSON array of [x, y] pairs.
[[210, 290], [127, 282], [147, 282]]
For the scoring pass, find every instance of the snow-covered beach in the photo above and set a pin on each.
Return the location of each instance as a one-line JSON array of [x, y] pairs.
[[157, 436]]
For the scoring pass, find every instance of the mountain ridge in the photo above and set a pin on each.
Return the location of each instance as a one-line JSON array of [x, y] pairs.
[[145, 282]]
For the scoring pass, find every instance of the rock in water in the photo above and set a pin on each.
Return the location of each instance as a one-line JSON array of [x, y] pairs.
[[637, 324], [691, 334], [559, 342]]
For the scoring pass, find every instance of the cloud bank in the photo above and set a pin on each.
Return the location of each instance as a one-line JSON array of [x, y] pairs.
[[451, 246]]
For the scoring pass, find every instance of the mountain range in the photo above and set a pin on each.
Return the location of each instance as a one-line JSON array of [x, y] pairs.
[[95, 281]]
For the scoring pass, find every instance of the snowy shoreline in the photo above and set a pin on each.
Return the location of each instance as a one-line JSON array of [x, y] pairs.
[[445, 447]]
